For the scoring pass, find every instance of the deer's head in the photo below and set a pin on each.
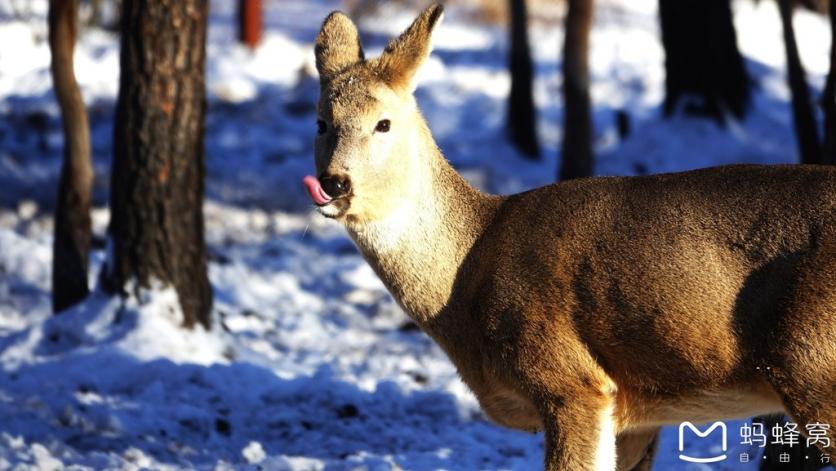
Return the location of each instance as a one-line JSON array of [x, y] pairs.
[[369, 125]]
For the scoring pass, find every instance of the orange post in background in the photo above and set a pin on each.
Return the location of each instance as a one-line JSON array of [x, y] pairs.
[[249, 22]]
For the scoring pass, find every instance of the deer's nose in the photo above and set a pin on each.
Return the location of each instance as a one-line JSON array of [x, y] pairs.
[[335, 185]]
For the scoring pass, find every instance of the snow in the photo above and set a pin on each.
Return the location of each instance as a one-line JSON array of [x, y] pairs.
[[310, 364]]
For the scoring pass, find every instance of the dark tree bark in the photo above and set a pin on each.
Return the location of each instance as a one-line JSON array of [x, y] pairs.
[[702, 60], [158, 167], [522, 114], [576, 156], [249, 22], [828, 101], [802, 106], [71, 246]]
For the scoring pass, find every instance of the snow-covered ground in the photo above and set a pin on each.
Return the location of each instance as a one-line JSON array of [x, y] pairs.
[[310, 364]]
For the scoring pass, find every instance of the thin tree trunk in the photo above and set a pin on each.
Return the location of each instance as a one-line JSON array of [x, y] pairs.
[[158, 167], [522, 115], [576, 157], [249, 22], [828, 101], [71, 245], [702, 60], [802, 106]]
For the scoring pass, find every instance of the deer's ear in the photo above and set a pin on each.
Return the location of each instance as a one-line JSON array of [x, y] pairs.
[[337, 46], [403, 56]]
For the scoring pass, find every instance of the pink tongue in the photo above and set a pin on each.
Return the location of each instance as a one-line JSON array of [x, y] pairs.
[[314, 188]]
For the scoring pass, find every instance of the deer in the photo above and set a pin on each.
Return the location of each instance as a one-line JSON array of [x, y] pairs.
[[593, 310]]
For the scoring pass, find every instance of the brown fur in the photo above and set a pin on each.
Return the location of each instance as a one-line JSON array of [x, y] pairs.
[[598, 309], [337, 46]]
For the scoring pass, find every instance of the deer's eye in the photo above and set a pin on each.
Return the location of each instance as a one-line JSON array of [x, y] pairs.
[[383, 125], [321, 127]]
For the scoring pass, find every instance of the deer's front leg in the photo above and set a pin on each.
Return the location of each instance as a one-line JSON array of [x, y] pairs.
[[580, 435], [635, 449]]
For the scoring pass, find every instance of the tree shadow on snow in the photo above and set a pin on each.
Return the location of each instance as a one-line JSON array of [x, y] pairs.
[[87, 394]]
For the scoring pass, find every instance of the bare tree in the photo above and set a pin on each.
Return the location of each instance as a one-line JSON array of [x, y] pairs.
[[157, 183], [576, 156], [71, 245], [522, 114], [702, 60], [249, 22], [802, 106], [828, 101]]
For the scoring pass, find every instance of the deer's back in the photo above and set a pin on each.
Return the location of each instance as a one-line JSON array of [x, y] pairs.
[[689, 268]]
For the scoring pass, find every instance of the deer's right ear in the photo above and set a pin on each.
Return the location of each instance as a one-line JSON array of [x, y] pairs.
[[403, 56], [337, 46]]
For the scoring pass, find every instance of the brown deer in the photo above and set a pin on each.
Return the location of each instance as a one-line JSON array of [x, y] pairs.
[[596, 310]]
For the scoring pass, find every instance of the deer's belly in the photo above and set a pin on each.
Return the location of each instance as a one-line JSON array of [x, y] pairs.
[[699, 406]]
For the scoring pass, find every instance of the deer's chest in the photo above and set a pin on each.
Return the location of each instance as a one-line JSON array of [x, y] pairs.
[[508, 408], [496, 392]]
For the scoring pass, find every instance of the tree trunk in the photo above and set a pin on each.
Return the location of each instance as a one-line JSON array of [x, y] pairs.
[[802, 107], [828, 101], [157, 183], [576, 157], [522, 115], [702, 60], [249, 22], [71, 245]]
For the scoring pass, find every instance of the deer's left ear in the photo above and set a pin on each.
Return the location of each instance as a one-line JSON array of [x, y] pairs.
[[403, 56], [337, 46]]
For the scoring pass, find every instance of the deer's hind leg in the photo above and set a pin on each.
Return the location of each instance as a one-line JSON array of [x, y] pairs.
[[802, 360]]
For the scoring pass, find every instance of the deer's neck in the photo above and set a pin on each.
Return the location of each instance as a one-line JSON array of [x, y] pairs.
[[418, 249]]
